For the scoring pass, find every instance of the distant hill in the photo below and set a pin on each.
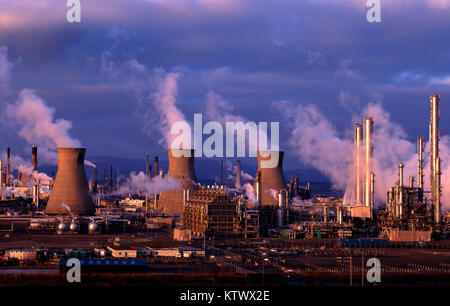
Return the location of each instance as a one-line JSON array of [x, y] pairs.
[[206, 168]]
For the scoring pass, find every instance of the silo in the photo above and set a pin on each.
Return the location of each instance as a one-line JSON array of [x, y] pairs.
[[181, 168], [71, 189], [272, 178]]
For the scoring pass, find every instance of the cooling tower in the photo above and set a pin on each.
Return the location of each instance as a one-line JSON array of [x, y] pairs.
[[272, 179], [71, 189], [182, 169]]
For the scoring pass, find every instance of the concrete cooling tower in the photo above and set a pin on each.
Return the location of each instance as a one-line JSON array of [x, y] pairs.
[[182, 169], [70, 190], [269, 181]]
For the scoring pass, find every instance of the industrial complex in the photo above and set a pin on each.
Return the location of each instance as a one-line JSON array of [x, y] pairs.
[[271, 228]]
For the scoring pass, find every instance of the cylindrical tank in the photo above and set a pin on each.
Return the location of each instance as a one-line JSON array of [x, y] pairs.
[[62, 226], [73, 226], [71, 187], [93, 227], [181, 168], [272, 178]]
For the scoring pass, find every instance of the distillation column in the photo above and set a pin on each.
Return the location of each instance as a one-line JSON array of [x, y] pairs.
[[368, 151], [357, 164], [435, 161]]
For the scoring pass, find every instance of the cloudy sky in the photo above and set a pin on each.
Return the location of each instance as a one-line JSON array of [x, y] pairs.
[[245, 54]]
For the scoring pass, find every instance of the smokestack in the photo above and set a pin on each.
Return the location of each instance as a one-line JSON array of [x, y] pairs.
[[71, 187], [420, 162], [400, 183], [291, 187], [357, 165], [297, 178], [182, 169], [282, 208], [149, 172], [271, 178], [94, 189], [238, 175], [34, 157], [146, 163], [156, 165], [8, 165], [368, 151], [258, 187], [372, 194], [411, 182], [435, 162]]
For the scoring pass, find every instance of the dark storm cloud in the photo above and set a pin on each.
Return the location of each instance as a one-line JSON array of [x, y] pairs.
[[251, 52]]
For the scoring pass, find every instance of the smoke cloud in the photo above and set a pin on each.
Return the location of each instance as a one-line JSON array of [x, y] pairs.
[[156, 93], [316, 142], [250, 193], [38, 122], [141, 184]]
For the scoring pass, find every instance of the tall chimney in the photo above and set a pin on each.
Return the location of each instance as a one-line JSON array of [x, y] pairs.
[[271, 178], [435, 162], [71, 187], [182, 169], [368, 151], [94, 189], [400, 183], [258, 187], [8, 165], [34, 157], [146, 163], [420, 162], [238, 175], [357, 165], [156, 166], [372, 194]]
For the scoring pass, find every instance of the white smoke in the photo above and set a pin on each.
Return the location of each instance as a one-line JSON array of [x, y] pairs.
[[273, 193], [18, 163], [233, 169], [141, 184], [250, 193], [316, 142], [39, 124], [217, 109], [154, 90], [89, 164]]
